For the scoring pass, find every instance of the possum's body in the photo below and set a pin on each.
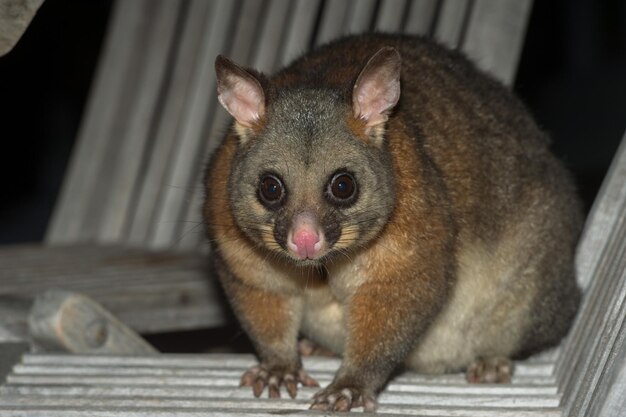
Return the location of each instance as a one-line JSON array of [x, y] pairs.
[[434, 230]]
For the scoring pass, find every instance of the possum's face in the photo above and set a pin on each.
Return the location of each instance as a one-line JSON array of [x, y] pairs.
[[306, 183]]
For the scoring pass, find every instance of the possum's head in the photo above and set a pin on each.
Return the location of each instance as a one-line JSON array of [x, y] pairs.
[[312, 177]]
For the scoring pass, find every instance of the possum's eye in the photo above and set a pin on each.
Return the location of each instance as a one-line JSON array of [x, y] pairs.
[[271, 191], [342, 189]]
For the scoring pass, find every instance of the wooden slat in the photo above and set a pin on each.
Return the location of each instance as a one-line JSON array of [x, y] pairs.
[[177, 91], [495, 34], [333, 21], [595, 349], [149, 291], [390, 15], [300, 30], [210, 383], [421, 15], [605, 212], [246, 31], [615, 401], [267, 53], [68, 222], [450, 21], [360, 16], [127, 137], [122, 174], [188, 154]]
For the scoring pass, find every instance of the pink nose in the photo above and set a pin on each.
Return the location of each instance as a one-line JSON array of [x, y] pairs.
[[306, 242]]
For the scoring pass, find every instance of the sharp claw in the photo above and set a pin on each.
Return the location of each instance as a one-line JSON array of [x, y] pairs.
[[260, 377], [342, 404], [292, 388], [306, 380], [258, 387], [246, 380], [343, 399], [319, 406], [369, 404], [274, 392]]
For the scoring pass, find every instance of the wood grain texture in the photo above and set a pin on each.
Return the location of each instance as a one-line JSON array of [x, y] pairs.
[[590, 369], [195, 384], [149, 291]]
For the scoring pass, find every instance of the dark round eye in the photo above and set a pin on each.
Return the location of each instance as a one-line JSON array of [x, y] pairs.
[[271, 190], [342, 188]]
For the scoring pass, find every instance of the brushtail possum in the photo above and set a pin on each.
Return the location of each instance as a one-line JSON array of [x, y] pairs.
[[387, 200]]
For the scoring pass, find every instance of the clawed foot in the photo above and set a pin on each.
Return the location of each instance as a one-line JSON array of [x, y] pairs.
[[258, 377], [338, 398], [490, 370]]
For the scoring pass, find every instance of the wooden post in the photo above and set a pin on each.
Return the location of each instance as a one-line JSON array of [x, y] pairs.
[[74, 322]]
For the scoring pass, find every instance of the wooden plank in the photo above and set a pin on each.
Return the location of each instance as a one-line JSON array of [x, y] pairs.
[[421, 17], [450, 22], [144, 219], [591, 356], [360, 16], [390, 15], [113, 189], [595, 367], [605, 212], [218, 375], [189, 153], [34, 411], [300, 31], [333, 20], [223, 400], [70, 219], [495, 34], [121, 176], [267, 54], [210, 383], [246, 32], [149, 291], [615, 401]]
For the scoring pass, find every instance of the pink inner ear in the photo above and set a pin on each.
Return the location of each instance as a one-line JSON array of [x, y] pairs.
[[243, 100], [242, 97], [374, 98], [377, 89]]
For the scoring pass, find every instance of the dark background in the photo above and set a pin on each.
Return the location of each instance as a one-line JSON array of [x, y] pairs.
[[572, 76]]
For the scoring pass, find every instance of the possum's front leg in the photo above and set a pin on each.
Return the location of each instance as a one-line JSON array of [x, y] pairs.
[[384, 318], [271, 320]]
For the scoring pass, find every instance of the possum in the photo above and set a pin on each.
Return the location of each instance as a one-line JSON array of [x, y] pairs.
[[385, 199]]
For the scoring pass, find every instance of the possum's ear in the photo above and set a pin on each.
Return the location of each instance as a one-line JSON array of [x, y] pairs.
[[377, 89], [239, 92]]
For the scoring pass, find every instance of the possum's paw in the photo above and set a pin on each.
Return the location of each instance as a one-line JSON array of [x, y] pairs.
[[260, 376], [336, 397], [490, 370]]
